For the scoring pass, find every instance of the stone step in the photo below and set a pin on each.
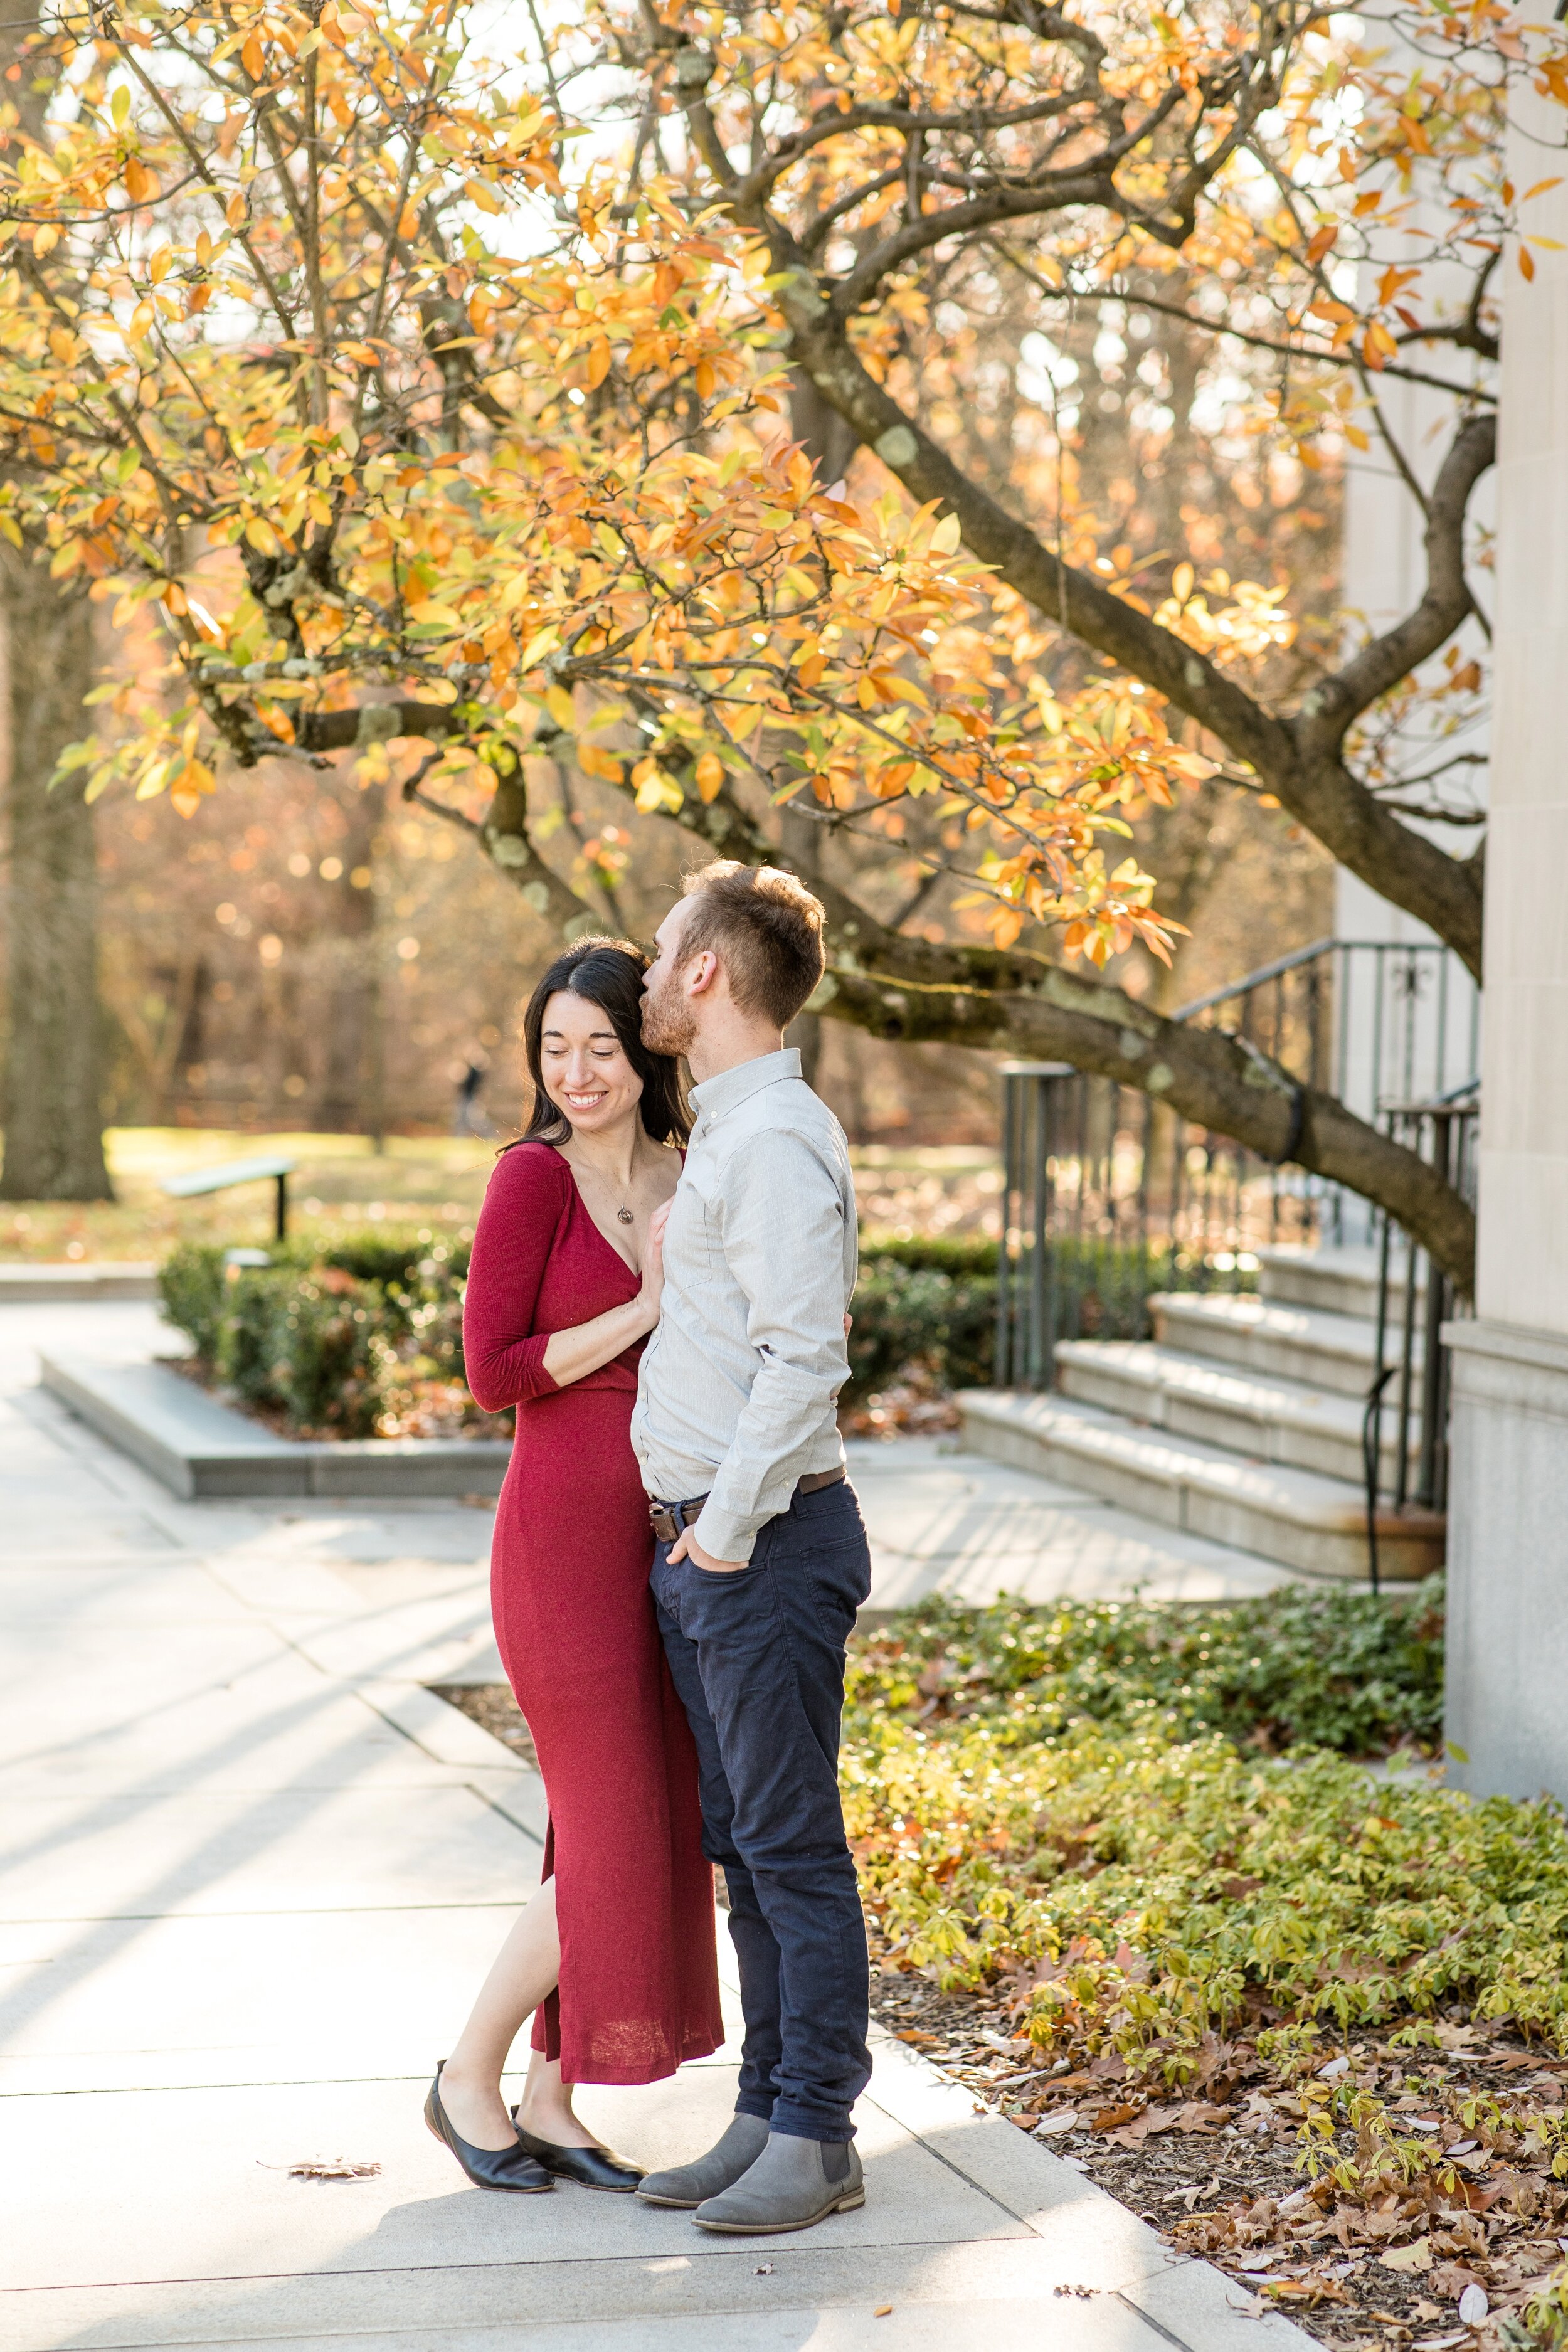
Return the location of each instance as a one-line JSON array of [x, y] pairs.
[[1284, 1343], [1268, 1420], [39, 1282], [1304, 1521], [1338, 1279]]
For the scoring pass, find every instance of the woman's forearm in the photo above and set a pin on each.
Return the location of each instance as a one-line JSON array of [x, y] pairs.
[[572, 1355]]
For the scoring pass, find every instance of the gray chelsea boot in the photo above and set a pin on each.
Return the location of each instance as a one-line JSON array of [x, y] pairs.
[[793, 2183], [687, 2185]]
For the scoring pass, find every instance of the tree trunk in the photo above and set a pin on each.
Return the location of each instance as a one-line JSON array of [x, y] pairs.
[[828, 439], [351, 1009], [53, 1119], [803, 847]]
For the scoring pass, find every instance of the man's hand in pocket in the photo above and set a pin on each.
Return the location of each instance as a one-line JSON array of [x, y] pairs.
[[686, 1546]]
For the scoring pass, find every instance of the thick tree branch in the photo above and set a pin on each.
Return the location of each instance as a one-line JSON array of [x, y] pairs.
[[504, 833], [1003, 1000], [1298, 760], [1090, 184], [1087, 608], [372, 722], [694, 68], [1207, 1075], [1467, 334], [1338, 701]]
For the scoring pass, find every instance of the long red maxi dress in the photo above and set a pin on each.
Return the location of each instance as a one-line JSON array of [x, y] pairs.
[[574, 1622]]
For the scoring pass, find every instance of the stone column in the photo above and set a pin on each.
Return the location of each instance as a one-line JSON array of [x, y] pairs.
[[1508, 1628], [1406, 1026]]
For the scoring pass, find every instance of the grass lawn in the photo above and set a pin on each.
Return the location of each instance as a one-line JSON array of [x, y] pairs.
[[342, 1182]]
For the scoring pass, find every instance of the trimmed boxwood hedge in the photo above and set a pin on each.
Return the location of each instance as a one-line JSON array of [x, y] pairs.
[[932, 1302], [323, 1333], [326, 1330]]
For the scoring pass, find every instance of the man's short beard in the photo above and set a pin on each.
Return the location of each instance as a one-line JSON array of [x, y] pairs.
[[666, 1027]]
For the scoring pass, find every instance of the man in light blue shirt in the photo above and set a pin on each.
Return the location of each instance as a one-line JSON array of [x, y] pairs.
[[762, 1560]]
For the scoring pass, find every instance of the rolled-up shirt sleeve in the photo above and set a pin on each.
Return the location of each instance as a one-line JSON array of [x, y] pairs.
[[783, 1237]]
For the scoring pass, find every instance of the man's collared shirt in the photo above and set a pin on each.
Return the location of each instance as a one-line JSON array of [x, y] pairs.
[[737, 1394]]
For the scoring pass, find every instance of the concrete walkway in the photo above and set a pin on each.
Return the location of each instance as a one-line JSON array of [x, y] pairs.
[[250, 1873]]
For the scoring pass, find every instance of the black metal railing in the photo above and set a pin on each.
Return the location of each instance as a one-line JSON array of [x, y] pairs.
[[1110, 1196], [1372, 1019], [1412, 1287]]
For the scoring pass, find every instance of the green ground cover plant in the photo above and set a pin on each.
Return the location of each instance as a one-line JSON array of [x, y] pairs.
[[1335, 1668], [1134, 1853]]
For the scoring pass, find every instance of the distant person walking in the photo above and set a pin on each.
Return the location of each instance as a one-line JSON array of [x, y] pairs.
[[470, 1116], [613, 1957]]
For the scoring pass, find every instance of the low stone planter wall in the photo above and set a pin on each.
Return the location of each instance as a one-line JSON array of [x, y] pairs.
[[200, 1449], [22, 1284]]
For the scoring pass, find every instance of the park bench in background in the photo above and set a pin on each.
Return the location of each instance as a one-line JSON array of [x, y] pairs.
[[240, 1172]]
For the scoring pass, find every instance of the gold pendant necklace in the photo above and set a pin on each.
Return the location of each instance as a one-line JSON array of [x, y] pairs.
[[625, 1216]]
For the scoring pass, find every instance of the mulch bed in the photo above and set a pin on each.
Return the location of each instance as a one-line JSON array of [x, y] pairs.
[[1215, 2168], [912, 1406], [492, 1707], [424, 1409]]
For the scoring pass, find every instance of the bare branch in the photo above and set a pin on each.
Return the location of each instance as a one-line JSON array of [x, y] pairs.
[[440, 808], [1436, 815], [1331, 707], [1319, 355]]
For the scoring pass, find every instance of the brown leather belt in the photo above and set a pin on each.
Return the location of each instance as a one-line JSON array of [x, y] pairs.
[[672, 1519]]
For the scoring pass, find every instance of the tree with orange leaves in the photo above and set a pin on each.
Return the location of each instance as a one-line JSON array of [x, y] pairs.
[[317, 338]]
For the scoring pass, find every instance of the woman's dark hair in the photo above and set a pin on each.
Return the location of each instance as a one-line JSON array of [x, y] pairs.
[[608, 972]]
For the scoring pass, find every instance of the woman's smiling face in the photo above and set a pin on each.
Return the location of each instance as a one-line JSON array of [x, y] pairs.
[[586, 1074]]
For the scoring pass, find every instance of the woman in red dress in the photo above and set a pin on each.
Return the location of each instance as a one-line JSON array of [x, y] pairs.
[[614, 1955]]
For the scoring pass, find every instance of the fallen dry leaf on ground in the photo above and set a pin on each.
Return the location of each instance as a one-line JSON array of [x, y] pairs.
[[1143, 2126], [1111, 2119], [1309, 2292], [324, 2168]]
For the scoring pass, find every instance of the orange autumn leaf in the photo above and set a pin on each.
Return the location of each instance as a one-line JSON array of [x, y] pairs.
[[709, 775]]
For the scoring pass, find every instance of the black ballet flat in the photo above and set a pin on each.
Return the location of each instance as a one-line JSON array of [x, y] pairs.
[[591, 2168], [487, 2168]]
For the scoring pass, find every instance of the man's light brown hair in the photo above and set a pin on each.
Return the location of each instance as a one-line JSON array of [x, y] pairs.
[[765, 927]]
